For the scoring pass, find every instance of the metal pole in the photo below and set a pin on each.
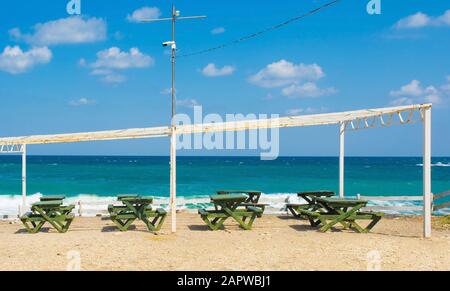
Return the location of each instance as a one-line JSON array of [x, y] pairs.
[[173, 147], [24, 179], [173, 179], [173, 63], [427, 196], [341, 158]]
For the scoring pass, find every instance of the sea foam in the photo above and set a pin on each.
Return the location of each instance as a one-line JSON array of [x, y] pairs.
[[93, 205]]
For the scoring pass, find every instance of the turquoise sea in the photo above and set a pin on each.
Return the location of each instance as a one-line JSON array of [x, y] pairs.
[[107, 176]]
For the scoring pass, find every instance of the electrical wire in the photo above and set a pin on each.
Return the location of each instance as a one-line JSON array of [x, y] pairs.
[[259, 33]]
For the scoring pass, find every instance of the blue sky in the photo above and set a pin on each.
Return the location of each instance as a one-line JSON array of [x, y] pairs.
[[103, 71]]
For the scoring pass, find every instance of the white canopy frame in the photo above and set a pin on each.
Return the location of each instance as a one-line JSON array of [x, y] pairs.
[[347, 121]]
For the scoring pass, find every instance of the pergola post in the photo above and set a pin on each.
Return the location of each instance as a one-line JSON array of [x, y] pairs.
[[341, 158], [173, 179], [427, 196], [24, 179]]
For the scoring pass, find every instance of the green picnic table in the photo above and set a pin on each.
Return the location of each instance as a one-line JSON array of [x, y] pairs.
[[53, 212], [252, 198], [228, 206], [341, 211], [311, 204], [135, 207]]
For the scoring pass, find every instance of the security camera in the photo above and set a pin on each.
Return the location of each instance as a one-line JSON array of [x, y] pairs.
[[167, 43]]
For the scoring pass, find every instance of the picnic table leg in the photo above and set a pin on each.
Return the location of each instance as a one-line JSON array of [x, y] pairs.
[[241, 222], [314, 223], [339, 219], [123, 225], [36, 227], [155, 226], [371, 225], [294, 213], [151, 226], [215, 224], [59, 226]]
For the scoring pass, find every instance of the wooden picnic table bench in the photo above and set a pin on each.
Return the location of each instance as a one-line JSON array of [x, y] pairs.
[[51, 211], [228, 206], [310, 198], [252, 200], [341, 211], [136, 207]]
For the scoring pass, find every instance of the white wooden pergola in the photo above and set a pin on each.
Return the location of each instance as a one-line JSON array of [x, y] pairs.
[[347, 121]]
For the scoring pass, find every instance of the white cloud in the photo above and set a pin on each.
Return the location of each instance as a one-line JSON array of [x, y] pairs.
[[71, 30], [446, 87], [144, 13], [296, 80], [82, 102], [444, 19], [412, 89], [308, 89], [420, 20], [15, 61], [294, 112], [109, 76], [188, 103], [218, 30], [414, 92], [401, 101], [414, 21], [285, 73], [114, 58], [308, 110], [211, 70], [114, 78]]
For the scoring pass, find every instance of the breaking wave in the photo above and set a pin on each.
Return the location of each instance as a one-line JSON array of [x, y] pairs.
[[93, 205]]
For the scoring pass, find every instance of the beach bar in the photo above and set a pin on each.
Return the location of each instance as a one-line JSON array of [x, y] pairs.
[[346, 121]]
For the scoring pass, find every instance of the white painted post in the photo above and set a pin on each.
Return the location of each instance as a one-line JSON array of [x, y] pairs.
[[24, 179], [341, 159], [427, 199], [173, 179]]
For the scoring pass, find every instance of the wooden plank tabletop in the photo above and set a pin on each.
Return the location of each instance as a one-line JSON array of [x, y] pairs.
[[238, 192], [229, 197], [317, 193], [342, 201], [124, 196], [52, 198], [138, 200]]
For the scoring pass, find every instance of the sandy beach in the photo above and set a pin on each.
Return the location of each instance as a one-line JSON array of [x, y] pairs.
[[275, 243]]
